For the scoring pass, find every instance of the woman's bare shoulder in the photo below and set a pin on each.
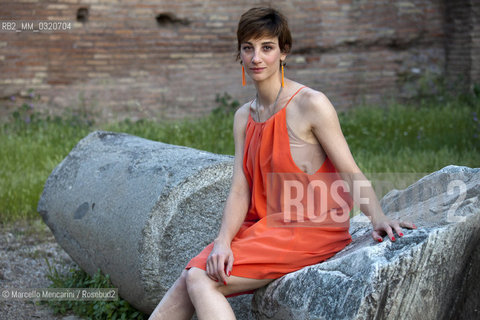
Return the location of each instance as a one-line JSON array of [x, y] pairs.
[[243, 110], [241, 118], [316, 103], [241, 114], [311, 95]]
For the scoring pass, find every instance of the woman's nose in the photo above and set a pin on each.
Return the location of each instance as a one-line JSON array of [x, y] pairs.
[[256, 58]]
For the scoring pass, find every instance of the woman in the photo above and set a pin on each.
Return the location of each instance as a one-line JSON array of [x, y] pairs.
[[250, 251]]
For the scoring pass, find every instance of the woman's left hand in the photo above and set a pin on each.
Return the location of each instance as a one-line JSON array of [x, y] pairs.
[[385, 225]]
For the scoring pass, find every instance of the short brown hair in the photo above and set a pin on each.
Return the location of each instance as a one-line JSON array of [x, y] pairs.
[[264, 21]]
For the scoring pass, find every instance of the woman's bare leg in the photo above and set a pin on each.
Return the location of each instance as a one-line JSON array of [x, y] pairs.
[[176, 303], [208, 296]]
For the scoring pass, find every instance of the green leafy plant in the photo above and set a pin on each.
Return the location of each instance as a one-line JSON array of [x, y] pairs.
[[77, 278], [225, 105]]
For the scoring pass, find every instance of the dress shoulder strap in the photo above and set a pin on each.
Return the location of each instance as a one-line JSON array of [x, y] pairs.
[[293, 96]]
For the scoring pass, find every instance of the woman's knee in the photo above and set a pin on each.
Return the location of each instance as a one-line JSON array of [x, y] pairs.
[[182, 279], [180, 284], [197, 279]]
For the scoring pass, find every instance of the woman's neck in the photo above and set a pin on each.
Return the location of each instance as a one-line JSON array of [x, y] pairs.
[[268, 90]]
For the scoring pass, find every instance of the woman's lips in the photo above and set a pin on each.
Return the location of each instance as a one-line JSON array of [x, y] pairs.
[[257, 69]]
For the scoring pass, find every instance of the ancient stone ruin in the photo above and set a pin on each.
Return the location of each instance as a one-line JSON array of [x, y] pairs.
[[139, 210]]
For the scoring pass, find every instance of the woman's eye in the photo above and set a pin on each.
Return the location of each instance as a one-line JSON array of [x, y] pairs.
[[265, 47]]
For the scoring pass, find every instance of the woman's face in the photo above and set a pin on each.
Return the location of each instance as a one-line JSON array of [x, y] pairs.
[[261, 57]]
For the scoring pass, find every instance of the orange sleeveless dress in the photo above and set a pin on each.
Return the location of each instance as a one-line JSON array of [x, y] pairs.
[[266, 249]]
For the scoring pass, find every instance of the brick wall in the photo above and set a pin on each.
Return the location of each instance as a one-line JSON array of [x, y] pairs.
[[169, 59], [462, 50]]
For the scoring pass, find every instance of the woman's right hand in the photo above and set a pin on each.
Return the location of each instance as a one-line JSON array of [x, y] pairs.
[[220, 261]]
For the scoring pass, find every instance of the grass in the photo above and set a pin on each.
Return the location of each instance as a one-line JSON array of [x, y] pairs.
[[420, 137], [404, 138]]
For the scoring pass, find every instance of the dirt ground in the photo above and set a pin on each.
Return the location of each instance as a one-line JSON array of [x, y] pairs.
[[23, 249]]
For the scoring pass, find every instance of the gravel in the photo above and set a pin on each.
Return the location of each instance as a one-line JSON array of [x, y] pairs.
[[23, 249]]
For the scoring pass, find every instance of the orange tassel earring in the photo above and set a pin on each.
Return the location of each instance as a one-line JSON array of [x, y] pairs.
[[244, 82], [283, 83]]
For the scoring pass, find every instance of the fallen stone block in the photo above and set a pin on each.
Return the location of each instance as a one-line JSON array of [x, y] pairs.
[[137, 209]]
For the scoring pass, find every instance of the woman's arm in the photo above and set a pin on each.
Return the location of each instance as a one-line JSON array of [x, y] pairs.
[[236, 206], [323, 119], [238, 200]]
